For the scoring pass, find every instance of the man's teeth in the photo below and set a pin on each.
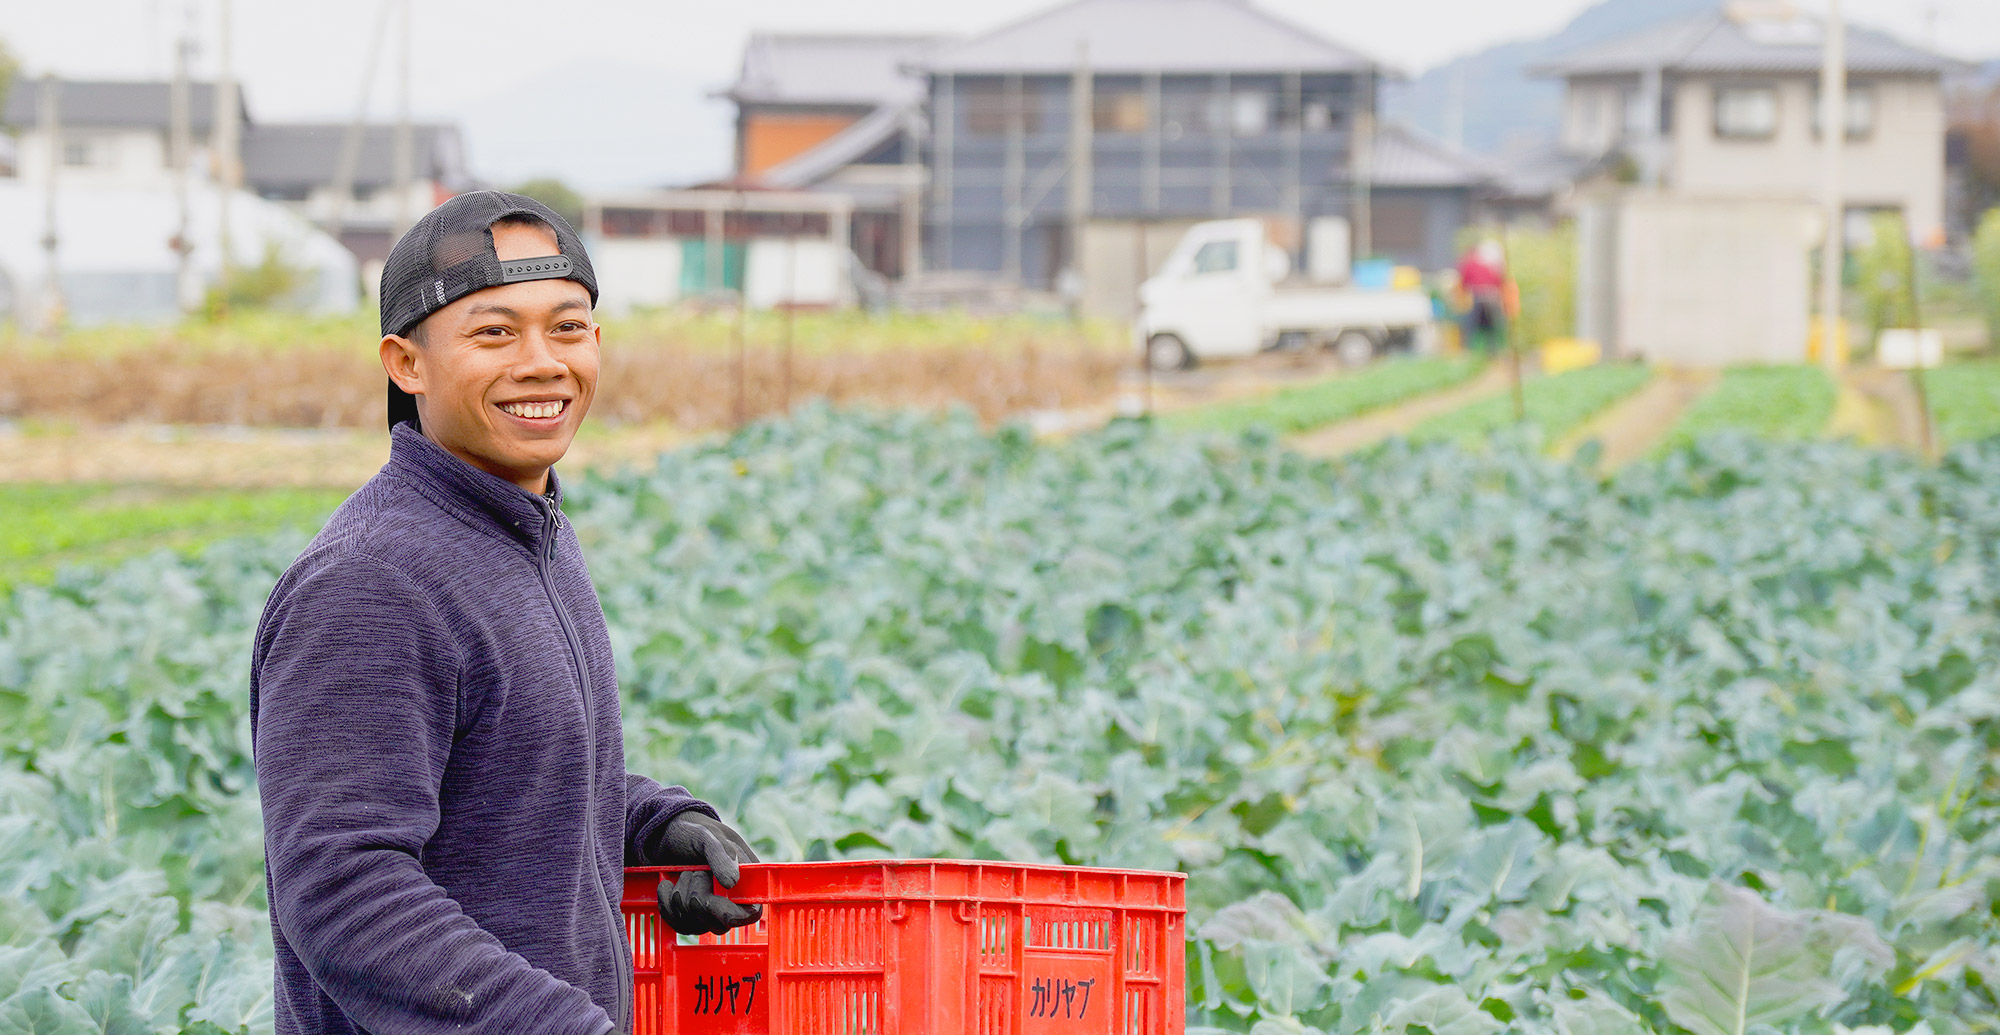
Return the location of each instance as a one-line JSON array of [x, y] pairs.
[[534, 409]]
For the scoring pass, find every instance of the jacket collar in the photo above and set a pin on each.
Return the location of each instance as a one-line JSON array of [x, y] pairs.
[[479, 498]]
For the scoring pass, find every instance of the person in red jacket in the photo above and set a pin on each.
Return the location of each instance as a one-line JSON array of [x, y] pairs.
[[1482, 275]]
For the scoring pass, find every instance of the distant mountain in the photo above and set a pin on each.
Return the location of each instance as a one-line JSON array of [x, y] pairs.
[[1505, 110]]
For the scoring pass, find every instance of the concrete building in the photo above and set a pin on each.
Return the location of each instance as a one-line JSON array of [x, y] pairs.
[[1725, 106]]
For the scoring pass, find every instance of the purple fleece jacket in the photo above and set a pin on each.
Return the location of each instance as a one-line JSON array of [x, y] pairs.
[[446, 809]]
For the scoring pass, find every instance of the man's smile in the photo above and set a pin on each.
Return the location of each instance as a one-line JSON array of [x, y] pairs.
[[537, 409]]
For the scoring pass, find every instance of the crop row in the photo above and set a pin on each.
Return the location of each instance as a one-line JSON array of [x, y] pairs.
[[1781, 402], [1332, 399], [1965, 400], [1553, 406]]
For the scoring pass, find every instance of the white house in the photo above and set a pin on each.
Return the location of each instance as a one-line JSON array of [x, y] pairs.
[[119, 206], [1725, 106]]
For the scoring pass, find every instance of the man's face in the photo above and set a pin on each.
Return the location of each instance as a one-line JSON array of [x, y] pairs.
[[504, 376]]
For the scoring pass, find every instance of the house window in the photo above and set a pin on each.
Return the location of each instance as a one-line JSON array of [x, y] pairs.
[[1183, 113], [1860, 112], [78, 154], [1215, 257], [1118, 111], [1249, 112], [990, 107], [1746, 112]]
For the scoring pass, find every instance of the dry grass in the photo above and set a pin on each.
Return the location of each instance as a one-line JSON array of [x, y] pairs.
[[648, 381]]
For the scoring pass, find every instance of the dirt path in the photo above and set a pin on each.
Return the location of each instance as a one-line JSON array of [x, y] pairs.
[[1370, 428], [1630, 427], [1880, 407], [258, 457]]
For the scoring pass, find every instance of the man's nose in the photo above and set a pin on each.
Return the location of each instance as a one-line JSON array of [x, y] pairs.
[[538, 360]]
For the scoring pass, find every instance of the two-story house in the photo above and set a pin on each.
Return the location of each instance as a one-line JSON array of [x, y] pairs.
[[1726, 105], [1197, 109]]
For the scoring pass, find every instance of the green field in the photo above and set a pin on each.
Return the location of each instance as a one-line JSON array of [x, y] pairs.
[[1553, 406], [1329, 400], [44, 528], [1447, 741], [1965, 400]]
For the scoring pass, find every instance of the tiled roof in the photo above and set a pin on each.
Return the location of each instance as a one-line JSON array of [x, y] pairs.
[[1403, 156], [107, 104], [1133, 36], [308, 154], [1718, 42], [863, 71]]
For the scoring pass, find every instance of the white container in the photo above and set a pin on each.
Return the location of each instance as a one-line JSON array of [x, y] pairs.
[[1903, 348]]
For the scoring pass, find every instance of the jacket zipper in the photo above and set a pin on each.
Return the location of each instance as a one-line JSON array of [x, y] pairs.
[[551, 529]]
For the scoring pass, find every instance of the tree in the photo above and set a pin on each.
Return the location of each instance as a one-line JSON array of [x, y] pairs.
[[557, 195], [1974, 117], [10, 68]]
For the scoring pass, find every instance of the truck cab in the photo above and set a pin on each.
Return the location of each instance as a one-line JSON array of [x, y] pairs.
[[1227, 291]]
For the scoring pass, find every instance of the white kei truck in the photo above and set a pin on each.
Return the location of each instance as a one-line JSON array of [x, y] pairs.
[[1226, 291]]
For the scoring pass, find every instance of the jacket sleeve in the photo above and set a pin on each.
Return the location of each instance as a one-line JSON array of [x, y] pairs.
[[356, 680], [649, 807]]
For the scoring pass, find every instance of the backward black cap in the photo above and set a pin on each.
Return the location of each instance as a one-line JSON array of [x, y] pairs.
[[448, 254]]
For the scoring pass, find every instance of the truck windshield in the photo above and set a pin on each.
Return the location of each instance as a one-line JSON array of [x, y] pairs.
[[1215, 257]]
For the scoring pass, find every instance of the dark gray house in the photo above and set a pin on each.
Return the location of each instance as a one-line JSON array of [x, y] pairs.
[[1194, 109]]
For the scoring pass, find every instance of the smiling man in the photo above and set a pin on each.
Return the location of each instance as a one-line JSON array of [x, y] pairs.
[[447, 815]]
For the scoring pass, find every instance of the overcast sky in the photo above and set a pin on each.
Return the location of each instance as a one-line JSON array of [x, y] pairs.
[[584, 89]]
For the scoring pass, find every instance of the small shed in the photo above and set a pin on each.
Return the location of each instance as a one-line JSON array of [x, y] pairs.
[[767, 248]]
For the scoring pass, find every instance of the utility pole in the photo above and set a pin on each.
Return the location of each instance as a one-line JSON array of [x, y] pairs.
[[224, 140], [51, 121], [1833, 140], [180, 148], [1362, 149], [1454, 108], [400, 170], [1082, 104], [349, 163]]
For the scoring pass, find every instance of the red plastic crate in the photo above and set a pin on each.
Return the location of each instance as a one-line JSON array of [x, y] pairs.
[[919, 947]]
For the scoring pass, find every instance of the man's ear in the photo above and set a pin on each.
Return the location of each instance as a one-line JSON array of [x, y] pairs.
[[399, 359]]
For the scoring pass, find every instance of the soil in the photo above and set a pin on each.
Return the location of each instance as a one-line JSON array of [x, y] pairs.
[[235, 457], [1897, 417], [1631, 427]]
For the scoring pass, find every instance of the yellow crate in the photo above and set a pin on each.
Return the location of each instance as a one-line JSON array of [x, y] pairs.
[[1560, 354]]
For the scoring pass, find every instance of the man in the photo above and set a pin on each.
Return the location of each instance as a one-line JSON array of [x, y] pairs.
[[434, 716]]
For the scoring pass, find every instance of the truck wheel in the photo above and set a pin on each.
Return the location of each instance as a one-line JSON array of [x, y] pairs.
[[1167, 352], [1354, 347]]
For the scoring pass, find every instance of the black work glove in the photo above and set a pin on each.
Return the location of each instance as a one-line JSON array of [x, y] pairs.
[[690, 905]]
